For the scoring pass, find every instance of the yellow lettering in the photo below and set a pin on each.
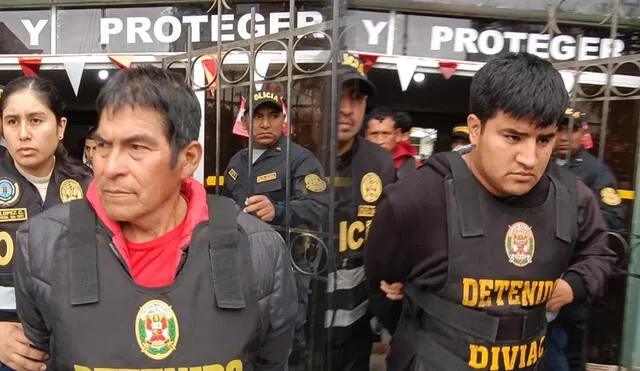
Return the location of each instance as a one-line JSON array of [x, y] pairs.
[[523, 356], [144, 369], [485, 293], [528, 293], [510, 354], [469, 292], [170, 369], [541, 348], [533, 354], [235, 365], [213, 368], [195, 368], [343, 237], [478, 356], [80, 368], [6, 258], [540, 296], [367, 225], [514, 298], [495, 358], [354, 244], [501, 286], [548, 290]]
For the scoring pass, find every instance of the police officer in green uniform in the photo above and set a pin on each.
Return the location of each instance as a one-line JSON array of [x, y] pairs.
[[263, 194], [35, 174]]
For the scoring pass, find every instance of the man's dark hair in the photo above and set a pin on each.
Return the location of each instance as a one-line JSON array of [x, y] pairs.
[[379, 113], [162, 91], [520, 85], [91, 133], [403, 121]]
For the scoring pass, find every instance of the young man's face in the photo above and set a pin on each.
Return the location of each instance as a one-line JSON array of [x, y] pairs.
[[352, 108], [566, 143], [89, 149], [510, 155], [383, 133], [133, 164], [267, 126]]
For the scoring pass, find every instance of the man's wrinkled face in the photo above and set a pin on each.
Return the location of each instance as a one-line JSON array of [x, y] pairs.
[[510, 155], [352, 108], [566, 143], [268, 122], [383, 133], [133, 163]]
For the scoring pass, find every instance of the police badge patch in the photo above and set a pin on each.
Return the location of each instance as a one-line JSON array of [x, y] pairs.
[[70, 190], [371, 187], [314, 183], [520, 244], [9, 192], [156, 329], [610, 197]]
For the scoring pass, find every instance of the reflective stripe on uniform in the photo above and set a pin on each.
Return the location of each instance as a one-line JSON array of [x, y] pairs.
[[347, 279], [344, 317], [7, 298]]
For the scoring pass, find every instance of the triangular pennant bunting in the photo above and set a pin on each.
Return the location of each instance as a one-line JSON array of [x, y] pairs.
[[210, 65], [587, 140], [74, 72], [447, 69], [569, 80], [122, 61], [286, 117], [406, 69], [238, 125], [30, 65], [262, 66], [369, 61]]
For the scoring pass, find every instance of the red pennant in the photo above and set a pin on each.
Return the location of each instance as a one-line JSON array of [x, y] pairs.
[[587, 140], [369, 60], [122, 61], [210, 65], [238, 125], [447, 69], [30, 65]]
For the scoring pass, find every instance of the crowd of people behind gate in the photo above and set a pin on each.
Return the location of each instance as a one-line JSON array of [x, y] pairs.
[[485, 257]]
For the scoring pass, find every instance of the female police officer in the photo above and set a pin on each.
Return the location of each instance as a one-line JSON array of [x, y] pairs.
[[35, 173]]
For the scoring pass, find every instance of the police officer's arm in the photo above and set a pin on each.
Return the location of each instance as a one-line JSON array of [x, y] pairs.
[[30, 297], [276, 292], [605, 187], [593, 260], [308, 204]]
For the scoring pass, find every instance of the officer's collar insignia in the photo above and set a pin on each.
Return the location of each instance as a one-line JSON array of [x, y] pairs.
[[9, 192], [610, 197], [157, 329], [314, 183], [266, 177], [520, 244], [233, 174], [371, 187], [70, 190]]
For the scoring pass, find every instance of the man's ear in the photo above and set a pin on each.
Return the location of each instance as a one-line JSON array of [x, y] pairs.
[[189, 159], [474, 124]]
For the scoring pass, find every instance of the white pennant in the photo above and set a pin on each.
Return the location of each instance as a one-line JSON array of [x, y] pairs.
[[569, 80], [262, 65], [406, 69], [74, 71]]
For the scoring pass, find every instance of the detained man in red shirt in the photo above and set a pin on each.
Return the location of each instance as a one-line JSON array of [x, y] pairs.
[[391, 131], [149, 271]]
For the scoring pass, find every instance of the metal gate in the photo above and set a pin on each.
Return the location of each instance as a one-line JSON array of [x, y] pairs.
[[303, 64]]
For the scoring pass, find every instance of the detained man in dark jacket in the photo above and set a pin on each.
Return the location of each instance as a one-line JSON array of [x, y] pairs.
[[149, 271]]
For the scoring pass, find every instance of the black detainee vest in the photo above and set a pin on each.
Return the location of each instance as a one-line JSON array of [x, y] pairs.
[[503, 263], [207, 318]]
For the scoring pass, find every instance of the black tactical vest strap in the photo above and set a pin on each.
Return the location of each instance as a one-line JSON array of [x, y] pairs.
[[462, 195], [83, 260], [566, 201], [224, 253], [407, 167], [477, 323]]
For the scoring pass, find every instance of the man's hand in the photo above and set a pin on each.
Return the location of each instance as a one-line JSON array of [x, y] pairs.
[[394, 291], [16, 351], [261, 206], [562, 295]]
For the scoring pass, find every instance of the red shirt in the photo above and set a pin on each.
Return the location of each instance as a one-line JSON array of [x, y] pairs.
[[155, 263], [403, 150]]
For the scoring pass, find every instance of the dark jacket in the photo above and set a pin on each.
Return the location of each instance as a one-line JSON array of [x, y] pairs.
[[597, 176]]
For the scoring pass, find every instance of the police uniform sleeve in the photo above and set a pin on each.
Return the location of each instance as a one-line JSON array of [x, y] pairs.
[[276, 291], [593, 260], [605, 187], [309, 199], [31, 293]]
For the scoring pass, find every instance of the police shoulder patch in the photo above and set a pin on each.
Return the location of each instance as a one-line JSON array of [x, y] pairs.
[[314, 183], [157, 329], [371, 187], [9, 192], [233, 174], [520, 244], [610, 197], [70, 190]]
